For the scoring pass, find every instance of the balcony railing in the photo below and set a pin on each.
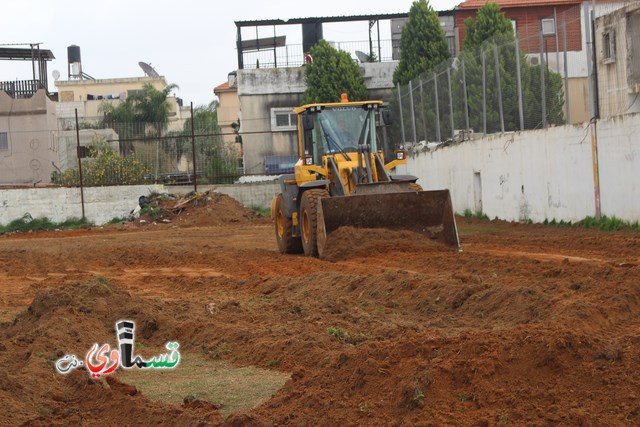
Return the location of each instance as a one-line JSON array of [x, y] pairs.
[[292, 55], [20, 89]]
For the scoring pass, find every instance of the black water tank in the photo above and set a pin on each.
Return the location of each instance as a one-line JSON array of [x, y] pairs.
[[73, 53], [311, 34]]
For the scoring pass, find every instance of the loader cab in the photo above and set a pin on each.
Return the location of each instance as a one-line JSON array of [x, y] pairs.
[[329, 129]]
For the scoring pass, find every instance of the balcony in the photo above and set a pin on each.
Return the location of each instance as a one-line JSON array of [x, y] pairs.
[[21, 89], [292, 55]]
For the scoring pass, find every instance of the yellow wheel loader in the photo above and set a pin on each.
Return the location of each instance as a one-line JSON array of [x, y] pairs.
[[341, 179]]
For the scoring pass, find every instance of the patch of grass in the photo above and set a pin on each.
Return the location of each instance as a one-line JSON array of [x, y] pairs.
[[272, 363], [337, 333], [468, 213], [28, 223], [220, 350], [261, 212], [418, 397], [345, 337], [150, 211], [503, 420], [607, 223], [196, 378], [561, 223], [116, 220]]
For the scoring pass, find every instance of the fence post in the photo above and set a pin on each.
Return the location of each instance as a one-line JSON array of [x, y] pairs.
[[566, 73], [404, 140], [193, 149], [519, 82], [466, 99], [484, 91], [424, 113], [435, 83], [499, 82], [542, 84], [453, 132], [413, 112], [79, 164]]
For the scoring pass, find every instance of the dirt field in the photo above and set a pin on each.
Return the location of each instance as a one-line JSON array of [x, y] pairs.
[[528, 325]]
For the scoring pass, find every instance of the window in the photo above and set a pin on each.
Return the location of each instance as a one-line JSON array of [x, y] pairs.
[[4, 141], [609, 46], [283, 119], [548, 26]]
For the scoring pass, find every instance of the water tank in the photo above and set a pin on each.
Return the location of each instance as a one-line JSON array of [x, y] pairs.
[[311, 34], [73, 54]]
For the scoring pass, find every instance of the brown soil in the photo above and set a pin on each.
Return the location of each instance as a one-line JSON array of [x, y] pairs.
[[527, 325]]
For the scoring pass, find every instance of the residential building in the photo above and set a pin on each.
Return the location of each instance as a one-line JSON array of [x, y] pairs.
[[28, 148], [618, 61], [542, 26], [87, 95], [229, 111]]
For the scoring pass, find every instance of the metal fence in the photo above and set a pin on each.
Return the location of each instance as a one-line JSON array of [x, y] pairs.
[[509, 83], [293, 56], [114, 153]]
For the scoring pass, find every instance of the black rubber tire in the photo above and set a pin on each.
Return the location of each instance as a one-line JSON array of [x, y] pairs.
[[287, 244], [308, 218]]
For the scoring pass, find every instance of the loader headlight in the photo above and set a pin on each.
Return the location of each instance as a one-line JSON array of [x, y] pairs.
[[401, 155], [308, 161]]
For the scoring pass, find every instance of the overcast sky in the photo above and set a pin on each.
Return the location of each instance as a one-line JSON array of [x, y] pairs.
[[190, 42]]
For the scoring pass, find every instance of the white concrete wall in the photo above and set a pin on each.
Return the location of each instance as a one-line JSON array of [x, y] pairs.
[[102, 204], [543, 174], [59, 204]]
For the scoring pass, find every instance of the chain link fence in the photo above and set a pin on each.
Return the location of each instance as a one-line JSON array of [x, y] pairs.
[[530, 81]]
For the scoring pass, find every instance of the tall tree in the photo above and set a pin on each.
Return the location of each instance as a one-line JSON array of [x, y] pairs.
[[332, 73], [490, 21], [492, 31], [138, 113], [217, 160], [422, 45]]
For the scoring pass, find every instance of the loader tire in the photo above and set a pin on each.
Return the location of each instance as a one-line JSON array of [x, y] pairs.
[[309, 220], [287, 244]]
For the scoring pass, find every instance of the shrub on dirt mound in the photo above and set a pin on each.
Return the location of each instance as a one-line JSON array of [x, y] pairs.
[[194, 209]]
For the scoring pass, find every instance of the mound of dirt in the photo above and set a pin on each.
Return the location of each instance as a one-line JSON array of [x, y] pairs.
[[89, 312], [193, 209], [349, 242]]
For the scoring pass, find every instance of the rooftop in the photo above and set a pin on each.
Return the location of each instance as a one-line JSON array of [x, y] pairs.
[[505, 4]]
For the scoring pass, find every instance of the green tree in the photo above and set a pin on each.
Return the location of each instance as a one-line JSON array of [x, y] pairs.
[[422, 44], [139, 114], [489, 33], [331, 74], [490, 21], [104, 166], [216, 159]]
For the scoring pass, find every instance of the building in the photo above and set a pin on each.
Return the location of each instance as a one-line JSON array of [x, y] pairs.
[[618, 61], [87, 96], [28, 148], [542, 27], [229, 112], [447, 22], [271, 83]]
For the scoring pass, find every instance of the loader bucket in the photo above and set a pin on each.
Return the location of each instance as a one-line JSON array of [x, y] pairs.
[[426, 212]]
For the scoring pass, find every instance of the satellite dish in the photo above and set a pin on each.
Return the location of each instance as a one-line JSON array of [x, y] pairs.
[[148, 69], [362, 57], [55, 74]]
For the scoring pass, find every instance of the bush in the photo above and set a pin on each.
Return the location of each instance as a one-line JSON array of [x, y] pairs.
[[104, 167]]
